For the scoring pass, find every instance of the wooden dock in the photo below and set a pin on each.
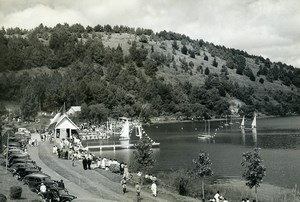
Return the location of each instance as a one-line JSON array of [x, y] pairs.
[[116, 146]]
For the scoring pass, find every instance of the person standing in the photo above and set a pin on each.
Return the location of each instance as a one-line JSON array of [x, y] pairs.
[[43, 188], [122, 168], [89, 162], [61, 184], [126, 172], [217, 196], [49, 195], [73, 160], [138, 191], [124, 186], [154, 189], [84, 163]]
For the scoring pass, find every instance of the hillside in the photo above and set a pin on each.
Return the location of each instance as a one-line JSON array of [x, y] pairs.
[[121, 71]]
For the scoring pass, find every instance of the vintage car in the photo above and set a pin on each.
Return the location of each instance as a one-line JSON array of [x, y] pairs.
[[15, 166], [57, 194], [23, 171], [34, 181]]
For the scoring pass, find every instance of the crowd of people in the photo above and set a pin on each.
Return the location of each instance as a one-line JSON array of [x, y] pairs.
[[73, 151]]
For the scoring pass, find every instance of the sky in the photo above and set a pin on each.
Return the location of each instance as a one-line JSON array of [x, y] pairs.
[[270, 28]]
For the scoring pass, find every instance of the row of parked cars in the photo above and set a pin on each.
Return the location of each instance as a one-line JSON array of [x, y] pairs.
[[23, 168]]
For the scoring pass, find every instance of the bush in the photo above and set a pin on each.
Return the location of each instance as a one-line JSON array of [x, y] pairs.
[[115, 168], [181, 184], [15, 192], [3, 198]]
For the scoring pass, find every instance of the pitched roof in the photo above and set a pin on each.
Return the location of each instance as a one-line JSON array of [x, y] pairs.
[[65, 116]]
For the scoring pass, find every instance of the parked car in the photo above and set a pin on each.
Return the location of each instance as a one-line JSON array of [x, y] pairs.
[[58, 194], [15, 166], [20, 160], [17, 155], [23, 171], [34, 181]]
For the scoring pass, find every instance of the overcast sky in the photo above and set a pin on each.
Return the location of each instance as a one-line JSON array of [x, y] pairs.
[[270, 28]]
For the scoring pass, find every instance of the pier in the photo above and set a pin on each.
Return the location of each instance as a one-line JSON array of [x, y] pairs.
[[116, 146]]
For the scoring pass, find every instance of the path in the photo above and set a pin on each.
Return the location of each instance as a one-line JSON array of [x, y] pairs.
[[92, 185]]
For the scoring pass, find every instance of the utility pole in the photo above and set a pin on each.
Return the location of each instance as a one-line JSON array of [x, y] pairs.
[[7, 147]]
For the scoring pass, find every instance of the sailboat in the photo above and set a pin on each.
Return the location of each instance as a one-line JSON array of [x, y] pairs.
[[230, 123], [205, 135], [243, 123], [226, 124], [253, 125]]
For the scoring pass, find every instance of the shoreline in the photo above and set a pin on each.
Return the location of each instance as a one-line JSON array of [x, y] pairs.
[[200, 120]]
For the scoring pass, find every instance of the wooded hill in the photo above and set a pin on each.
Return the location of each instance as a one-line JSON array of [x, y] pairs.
[[122, 71]]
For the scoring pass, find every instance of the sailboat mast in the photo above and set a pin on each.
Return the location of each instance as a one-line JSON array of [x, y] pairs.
[[209, 127]]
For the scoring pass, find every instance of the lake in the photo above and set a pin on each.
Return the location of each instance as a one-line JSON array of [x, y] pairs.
[[278, 138]]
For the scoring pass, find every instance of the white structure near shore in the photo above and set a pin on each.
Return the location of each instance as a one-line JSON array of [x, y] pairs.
[[63, 127]]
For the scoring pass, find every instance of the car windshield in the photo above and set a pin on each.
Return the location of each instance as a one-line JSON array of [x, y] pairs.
[[62, 192], [46, 179]]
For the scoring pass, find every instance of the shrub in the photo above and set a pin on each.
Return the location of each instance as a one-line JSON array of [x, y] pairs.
[[205, 57], [3, 198], [181, 183], [15, 192]]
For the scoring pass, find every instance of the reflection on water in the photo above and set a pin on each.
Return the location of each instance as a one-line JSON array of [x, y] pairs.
[[278, 138]]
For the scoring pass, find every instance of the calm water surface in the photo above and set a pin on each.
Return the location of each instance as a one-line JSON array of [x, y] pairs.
[[278, 138]]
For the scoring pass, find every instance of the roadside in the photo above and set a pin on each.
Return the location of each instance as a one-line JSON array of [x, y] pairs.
[[91, 185], [7, 181]]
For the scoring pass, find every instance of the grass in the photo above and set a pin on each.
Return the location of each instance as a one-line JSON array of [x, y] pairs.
[[234, 190], [7, 180]]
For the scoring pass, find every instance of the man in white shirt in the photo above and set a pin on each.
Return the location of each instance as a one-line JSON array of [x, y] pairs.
[[43, 188], [217, 196]]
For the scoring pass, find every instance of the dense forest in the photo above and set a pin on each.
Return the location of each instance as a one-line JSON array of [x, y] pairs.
[[122, 71]]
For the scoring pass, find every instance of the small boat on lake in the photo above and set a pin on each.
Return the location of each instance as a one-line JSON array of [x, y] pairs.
[[206, 135], [253, 124]]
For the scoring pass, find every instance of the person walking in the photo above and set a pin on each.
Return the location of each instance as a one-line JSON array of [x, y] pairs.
[[138, 192], [73, 160], [154, 189], [123, 183]]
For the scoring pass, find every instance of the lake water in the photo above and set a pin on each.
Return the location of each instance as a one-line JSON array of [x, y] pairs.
[[278, 138]]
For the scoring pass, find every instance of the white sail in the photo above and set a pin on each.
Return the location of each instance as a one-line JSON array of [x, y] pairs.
[[125, 130], [55, 119], [253, 125], [139, 131], [243, 122]]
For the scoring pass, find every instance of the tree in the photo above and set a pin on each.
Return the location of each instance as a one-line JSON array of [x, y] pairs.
[[144, 155], [29, 104], [143, 39], [174, 45], [184, 50], [205, 57], [254, 171], [203, 168], [192, 54], [215, 63], [206, 71], [261, 80]]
